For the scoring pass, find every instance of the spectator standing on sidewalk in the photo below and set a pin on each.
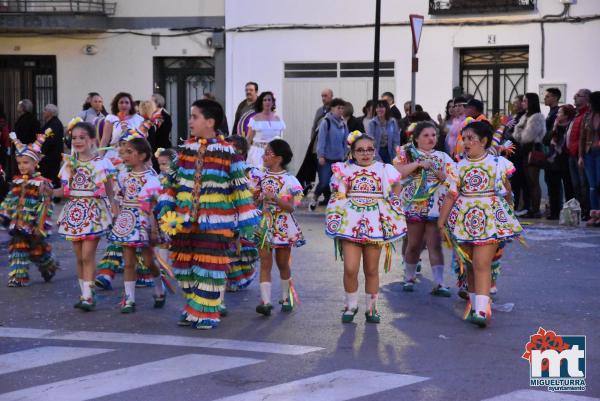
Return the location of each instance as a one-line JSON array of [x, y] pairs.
[[529, 132], [578, 178]]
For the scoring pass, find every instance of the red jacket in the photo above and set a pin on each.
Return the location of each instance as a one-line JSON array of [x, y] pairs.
[[573, 144]]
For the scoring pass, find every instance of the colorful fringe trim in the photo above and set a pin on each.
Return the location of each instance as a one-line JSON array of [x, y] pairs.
[[112, 263], [242, 271], [22, 250]]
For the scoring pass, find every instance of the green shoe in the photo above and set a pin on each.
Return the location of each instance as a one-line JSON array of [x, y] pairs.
[[87, 304], [160, 300], [264, 309], [479, 319], [440, 291], [409, 285], [286, 306], [127, 306], [348, 315], [223, 311], [373, 316]]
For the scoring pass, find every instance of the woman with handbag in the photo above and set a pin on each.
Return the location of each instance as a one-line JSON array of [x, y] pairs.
[[529, 133]]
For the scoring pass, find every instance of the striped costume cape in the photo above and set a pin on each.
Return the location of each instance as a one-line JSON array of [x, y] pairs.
[[205, 209]]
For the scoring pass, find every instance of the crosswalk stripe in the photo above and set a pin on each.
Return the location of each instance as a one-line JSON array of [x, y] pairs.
[[340, 385], [159, 339], [536, 395], [42, 356], [130, 378]]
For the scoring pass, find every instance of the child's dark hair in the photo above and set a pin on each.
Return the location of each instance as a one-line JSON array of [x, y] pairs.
[[141, 145], [210, 109], [360, 138], [419, 128], [170, 153], [283, 149], [482, 129], [89, 129], [239, 143]]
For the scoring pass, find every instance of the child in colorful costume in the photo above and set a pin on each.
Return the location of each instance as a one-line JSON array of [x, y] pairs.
[[26, 210], [277, 193], [477, 214], [209, 203], [425, 170], [135, 226], [364, 215], [87, 183]]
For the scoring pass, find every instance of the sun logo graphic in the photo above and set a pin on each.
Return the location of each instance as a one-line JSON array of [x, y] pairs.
[[556, 362]]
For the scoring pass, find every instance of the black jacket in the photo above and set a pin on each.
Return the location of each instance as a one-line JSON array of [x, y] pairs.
[[52, 149]]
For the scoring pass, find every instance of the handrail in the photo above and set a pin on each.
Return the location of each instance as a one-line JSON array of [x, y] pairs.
[[453, 7], [95, 7]]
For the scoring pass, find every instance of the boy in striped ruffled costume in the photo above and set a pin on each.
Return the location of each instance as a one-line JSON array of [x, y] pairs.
[[26, 210], [202, 209]]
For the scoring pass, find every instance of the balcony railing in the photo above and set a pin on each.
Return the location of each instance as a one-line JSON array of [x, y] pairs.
[[49, 7], [453, 7]]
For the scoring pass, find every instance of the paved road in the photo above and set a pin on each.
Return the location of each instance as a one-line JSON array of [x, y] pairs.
[[422, 350]]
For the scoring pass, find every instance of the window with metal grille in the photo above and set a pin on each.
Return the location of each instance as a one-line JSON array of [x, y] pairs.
[[335, 70]]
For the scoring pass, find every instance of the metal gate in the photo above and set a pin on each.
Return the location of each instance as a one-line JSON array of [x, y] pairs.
[[182, 81], [26, 77], [494, 75]]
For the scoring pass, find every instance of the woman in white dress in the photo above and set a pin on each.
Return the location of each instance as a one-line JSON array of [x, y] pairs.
[[122, 118], [263, 128]]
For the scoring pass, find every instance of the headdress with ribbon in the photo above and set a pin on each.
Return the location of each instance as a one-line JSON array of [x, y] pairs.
[[33, 150], [131, 134]]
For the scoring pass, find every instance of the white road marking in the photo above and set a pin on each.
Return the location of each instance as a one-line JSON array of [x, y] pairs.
[[580, 245], [130, 378], [157, 339], [335, 386], [42, 356], [535, 395]]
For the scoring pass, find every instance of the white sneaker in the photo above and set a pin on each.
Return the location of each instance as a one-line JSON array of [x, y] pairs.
[[522, 212]]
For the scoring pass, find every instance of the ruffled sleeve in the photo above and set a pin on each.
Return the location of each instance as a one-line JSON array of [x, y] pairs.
[[391, 177], [149, 193], [255, 175], [65, 175], [452, 178], [241, 197], [504, 171], [293, 191], [105, 173], [338, 179]]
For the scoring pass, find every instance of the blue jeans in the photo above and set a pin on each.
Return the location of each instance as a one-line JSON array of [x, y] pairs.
[[325, 174], [592, 171], [580, 185]]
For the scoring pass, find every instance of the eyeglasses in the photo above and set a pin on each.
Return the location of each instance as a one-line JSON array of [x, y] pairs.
[[269, 153], [367, 151]]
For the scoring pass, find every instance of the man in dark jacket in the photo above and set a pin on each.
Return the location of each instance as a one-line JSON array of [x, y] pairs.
[[246, 105], [52, 149], [164, 124], [394, 111], [27, 127]]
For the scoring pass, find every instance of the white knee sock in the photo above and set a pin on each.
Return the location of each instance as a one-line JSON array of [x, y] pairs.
[[86, 289], [159, 289], [265, 292], [80, 285], [352, 300], [410, 270], [481, 303], [130, 290], [438, 274], [285, 289], [472, 300], [371, 301]]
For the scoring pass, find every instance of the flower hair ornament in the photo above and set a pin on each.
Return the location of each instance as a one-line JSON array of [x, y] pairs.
[[354, 136], [72, 123], [33, 151], [158, 152], [131, 134]]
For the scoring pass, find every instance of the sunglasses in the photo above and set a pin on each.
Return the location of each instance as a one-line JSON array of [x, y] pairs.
[[366, 151]]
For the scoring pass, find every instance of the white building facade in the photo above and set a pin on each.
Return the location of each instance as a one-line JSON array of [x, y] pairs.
[[491, 49], [58, 51]]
